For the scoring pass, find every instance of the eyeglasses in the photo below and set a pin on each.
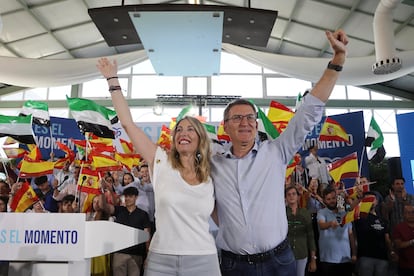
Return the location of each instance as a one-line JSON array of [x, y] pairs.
[[251, 118]]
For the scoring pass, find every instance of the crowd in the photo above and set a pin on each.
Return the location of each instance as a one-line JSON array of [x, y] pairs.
[[267, 224]]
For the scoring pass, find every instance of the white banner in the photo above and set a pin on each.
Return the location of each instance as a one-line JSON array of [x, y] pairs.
[[42, 237]]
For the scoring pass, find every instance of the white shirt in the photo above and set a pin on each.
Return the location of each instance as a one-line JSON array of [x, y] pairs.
[[182, 212]]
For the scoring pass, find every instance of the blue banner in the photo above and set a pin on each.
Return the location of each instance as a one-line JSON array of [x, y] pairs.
[[331, 151], [406, 141]]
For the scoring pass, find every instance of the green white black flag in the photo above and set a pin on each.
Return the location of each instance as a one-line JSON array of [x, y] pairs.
[[375, 140]]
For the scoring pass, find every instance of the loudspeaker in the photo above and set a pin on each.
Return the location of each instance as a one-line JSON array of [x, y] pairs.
[[394, 168]]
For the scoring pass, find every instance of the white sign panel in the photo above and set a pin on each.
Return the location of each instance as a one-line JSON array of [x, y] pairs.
[[42, 237]]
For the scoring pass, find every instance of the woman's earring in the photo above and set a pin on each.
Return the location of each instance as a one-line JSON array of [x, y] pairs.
[[198, 156], [177, 155]]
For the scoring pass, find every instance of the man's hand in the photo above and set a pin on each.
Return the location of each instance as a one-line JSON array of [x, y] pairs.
[[338, 41]]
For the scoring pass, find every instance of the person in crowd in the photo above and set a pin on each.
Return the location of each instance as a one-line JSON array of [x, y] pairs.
[[249, 178], [128, 261], [128, 180], [300, 175], [300, 232], [393, 207], [145, 200], [403, 237], [312, 200], [374, 243], [4, 188], [107, 185], [100, 265], [4, 265], [336, 242], [45, 192], [68, 204], [183, 191], [317, 166], [67, 183]]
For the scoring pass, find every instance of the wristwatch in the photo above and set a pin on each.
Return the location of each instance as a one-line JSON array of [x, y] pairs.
[[314, 257], [337, 68]]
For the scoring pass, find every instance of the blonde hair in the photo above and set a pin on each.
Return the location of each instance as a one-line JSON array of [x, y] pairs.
[[202, 156]]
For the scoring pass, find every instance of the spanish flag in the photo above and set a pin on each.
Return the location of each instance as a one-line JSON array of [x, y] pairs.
[[127, 147], [347, 167], [165, 138], [32, 168], [24, 198], [333, 131], [102, 162], [89, 183], [221, 134], [279, 115], [290, 168], [363, 208], [128, 160], [34, 154]]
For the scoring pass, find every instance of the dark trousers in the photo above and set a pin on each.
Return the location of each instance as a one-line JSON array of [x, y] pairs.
[[331, 269]]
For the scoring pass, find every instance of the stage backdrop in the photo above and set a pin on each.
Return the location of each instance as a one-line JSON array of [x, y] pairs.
[[331, 151], [405, 138]]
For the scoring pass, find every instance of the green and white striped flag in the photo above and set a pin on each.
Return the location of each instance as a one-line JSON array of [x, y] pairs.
[[211, 132], [265, 125], [38, 110], [17, 127], [186, 111], [92, 117], [375, 140]]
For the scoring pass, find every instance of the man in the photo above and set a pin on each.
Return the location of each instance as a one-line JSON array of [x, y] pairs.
[[336, 242], [403, 236], [249, 180], [45, 190], [317, 166], [145, 200], [127, 262], [394, 203], [374, 242]]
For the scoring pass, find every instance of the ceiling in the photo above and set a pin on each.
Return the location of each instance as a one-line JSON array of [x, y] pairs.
[[63, 29]]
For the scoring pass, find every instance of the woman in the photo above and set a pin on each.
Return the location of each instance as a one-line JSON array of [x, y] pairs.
[[300, 232], [100, 265], [183, 191]]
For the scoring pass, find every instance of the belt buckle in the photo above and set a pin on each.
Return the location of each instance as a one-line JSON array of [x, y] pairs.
[[250, 259]]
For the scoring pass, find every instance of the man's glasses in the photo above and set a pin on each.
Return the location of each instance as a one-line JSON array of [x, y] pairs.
[[251, 118]]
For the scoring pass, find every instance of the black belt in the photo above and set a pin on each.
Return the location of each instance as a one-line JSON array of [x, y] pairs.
[[259, 257]]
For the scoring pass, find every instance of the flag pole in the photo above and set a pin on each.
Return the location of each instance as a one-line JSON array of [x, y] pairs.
[[360, 162], [5, 172], [51, 140]]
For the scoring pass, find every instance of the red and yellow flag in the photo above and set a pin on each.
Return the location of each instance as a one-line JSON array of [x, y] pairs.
[[221, 134], [34, 154], [362, 208], [24, 198], [31, 168], [279, 115], [290, 168], [102, 162], [128, 160], [89, 183], [69, 154], [333, 131], [353, 191], [127, 147], [346, 167], [165, 138]]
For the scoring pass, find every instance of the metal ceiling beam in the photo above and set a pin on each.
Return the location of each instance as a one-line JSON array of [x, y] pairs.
[[291, 101], [391, 91]]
